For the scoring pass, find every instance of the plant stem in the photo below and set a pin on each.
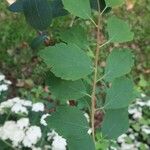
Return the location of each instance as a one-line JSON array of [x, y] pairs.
[[93, 99]]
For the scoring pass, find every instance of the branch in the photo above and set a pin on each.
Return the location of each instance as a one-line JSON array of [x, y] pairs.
[[93, 99]]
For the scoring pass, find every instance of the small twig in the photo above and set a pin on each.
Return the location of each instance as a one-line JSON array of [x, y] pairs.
[[72, 21], [104, 10], [105, 43]]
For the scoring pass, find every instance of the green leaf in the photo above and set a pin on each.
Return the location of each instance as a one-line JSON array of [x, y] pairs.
[[68, 121], [78, 8], [65, 90], [114, 3], [38, 41], [118, 63], [94, 5], [5, 146], [119, 30], [17, 6], [75, 35], [58, 8], [72, 125], [84, 143], [38, 13], [115, 123], [120, 94], [68, 62]]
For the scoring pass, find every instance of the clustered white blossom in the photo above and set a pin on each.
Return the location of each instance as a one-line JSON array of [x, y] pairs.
[[3, 83], [18, 105], [135, 110], [42, 121], [20, 133], [58, 142]]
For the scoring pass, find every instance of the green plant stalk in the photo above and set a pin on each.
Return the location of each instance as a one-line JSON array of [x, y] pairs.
[[93, 96]]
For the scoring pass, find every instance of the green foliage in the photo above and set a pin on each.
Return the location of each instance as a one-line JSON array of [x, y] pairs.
[[69, 65], [114, 3], [120, 94], [68, 62], [39, 11], [118, 30], [75, 35], [81, 143], [17, 6], [71, 123], [118, 63], [58, 8], [65, 90], [78, 8], [94, 4], [38, 41], [115, 123]]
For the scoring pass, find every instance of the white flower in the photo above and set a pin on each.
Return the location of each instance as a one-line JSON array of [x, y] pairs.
[[125, 146], [143, 95], [18, 137], [140, 103], [89, 131], [18, 108], [51, 135], [22, 101], [36, 148], [2, 77], [12, 132], [3, 87], [7, 130], [38, 107], [137, 143], [23, 123], [121, 138], [137, 115], [148, 103], [47, 147], [27, 103], [113, 148], [16, 104], [7, 82], [33, 134], [136, 112], [42, 121], [132, 137], [87, 117], [6, 104], [59, 143], [146, 129]]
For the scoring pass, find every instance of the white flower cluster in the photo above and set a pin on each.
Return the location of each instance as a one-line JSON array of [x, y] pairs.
[[58, 142], [134, 145], [3, 84], [20, 133], [17, 105], [136, 109]]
